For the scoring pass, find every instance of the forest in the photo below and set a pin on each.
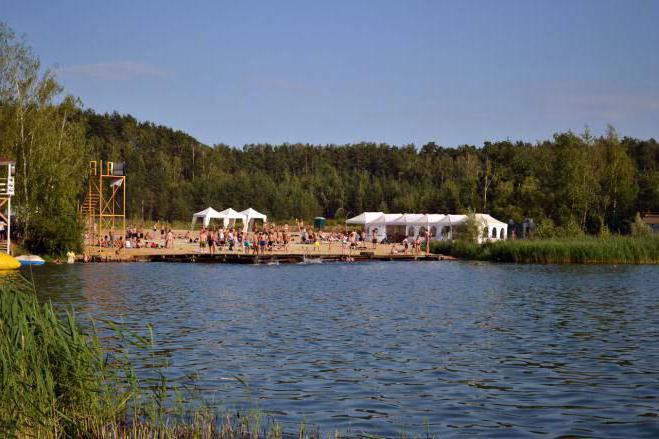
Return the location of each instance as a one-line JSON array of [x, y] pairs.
[[581, 181], [572, 183]]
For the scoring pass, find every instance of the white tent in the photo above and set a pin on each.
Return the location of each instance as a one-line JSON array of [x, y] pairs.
[[491, 229], [431, 222], [230, 216], [447, 223], [252, 214], [206, 215], [366, 218], [374, 222], [409, 220]]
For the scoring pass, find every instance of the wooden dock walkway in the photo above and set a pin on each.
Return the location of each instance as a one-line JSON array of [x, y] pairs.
[[265, 259]]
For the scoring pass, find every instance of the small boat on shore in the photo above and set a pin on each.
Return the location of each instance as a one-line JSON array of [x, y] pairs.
[[30, 260]]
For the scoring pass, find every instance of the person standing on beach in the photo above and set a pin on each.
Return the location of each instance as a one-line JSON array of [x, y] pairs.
[[202, 240], [212, 242], [169, 240]]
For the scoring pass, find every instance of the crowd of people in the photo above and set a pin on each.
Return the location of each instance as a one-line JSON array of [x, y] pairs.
[[271, 238]]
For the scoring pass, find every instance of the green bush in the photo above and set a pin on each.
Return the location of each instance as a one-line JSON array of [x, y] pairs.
[[54, 236]]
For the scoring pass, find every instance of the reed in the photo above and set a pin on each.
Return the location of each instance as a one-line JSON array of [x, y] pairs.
[[586, 250], [57, 380]]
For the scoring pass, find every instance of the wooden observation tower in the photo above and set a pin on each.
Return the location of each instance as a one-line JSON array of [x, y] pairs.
[[7, 172], [104, 208]]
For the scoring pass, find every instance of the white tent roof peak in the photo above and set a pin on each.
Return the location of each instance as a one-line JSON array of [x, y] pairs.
[[481, 218], [489, 220], [367, 218], [407, 218], [430, 218], [209, 211], [449, 220], [391, 217], [206, 216], [230, 213], [253, 214]]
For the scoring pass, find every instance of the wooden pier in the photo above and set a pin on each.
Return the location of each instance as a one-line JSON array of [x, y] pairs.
[[265, 259]]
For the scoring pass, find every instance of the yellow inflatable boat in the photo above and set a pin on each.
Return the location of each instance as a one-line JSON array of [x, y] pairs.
[[8, 262]]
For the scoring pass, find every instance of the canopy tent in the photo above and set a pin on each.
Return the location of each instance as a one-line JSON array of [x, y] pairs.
[[206, 215], [491, 229], [366, 218], [250, 215], [374, 223], [230, 216], [430, 222], [447, 223]]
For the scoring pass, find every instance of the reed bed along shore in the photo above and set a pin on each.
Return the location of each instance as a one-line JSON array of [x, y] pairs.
[[57, 380], [585, 250]]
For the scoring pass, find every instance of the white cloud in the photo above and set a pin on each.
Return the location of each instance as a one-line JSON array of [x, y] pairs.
[[114, 71]]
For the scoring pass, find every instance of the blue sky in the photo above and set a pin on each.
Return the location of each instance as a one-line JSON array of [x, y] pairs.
[[345, 71]]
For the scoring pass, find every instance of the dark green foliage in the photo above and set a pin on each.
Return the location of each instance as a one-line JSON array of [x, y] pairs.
[[585, 250], [54, 237]]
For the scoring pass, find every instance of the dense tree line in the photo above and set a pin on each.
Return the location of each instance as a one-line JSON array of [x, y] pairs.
[[569, 184], [579, 181]]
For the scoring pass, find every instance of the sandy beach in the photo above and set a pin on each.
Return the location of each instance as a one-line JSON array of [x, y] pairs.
[[182, 246]]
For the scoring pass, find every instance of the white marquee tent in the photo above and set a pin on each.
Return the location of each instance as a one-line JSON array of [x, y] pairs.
[[430, 221], [494, 229], [409, 221], [374, 222], [206, 216], [366, 218], [491, 228]]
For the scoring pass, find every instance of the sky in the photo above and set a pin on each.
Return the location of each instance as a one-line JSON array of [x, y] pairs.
[[459, 72]]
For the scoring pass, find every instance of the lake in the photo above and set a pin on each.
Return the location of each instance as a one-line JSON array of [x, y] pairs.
[[450, 348]]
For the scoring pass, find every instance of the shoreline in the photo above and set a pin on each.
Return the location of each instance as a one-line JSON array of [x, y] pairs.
[[262, 259]]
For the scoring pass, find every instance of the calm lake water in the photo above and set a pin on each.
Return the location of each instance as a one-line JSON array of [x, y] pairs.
[[452, 348]]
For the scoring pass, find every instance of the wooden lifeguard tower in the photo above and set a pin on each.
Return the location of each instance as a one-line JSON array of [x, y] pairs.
[[104, 207], [7, 172]]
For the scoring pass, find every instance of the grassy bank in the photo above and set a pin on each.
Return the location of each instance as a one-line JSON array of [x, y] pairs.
[[587, 250], [58, 381]]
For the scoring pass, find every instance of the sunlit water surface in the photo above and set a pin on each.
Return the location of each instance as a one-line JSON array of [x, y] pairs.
[[387, 348]]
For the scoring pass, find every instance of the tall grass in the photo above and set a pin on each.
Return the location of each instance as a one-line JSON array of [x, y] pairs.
[[56, 380], [586, 250]]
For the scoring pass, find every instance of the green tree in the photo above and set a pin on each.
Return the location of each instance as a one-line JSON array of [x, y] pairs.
[[47, 140]]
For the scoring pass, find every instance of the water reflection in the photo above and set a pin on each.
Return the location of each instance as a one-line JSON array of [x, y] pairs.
[[456, 348]]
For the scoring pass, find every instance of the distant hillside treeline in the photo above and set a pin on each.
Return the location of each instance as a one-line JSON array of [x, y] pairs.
[[573, 180]]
